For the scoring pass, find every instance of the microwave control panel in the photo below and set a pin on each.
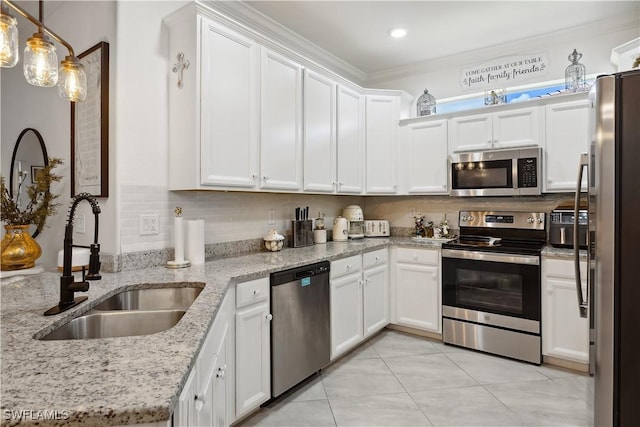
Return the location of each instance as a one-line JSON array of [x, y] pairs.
[[527, 173]]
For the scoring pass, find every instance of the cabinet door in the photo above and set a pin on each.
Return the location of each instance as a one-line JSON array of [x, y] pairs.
[[564, 333], [375, 299], [346, 312], [229, 108], [426, 158], [281, 123], [566, 137], [381, 138], [469, 133], [185, 413], [319, 133], [417, 297], [253, 361], [517, 128], [350, 141], [220, 416]]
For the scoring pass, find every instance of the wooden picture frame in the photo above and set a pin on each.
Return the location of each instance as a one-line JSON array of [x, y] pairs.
[[90, 127]]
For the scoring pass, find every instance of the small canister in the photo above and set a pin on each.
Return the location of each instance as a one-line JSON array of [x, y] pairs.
[[273, 241]]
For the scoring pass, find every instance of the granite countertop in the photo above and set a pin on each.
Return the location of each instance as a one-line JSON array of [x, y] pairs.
[[549, 251], [126, 380]]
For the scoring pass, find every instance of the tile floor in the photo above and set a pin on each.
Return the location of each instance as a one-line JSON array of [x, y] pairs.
[[397, 379]]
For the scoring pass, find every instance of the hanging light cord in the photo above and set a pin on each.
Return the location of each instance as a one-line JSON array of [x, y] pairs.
[[40, 24]]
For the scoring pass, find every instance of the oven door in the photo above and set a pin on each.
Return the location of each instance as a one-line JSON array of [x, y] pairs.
[[498, 289]]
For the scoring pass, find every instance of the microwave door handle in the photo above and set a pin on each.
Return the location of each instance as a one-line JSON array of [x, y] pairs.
[[582, 302]]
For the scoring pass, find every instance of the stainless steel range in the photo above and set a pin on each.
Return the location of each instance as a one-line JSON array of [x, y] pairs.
[[491, 284]]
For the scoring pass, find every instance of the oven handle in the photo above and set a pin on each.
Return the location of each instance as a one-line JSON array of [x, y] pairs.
[[583, 305], [487, 256]]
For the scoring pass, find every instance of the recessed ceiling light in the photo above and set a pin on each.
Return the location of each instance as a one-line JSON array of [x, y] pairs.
[[398, 33]]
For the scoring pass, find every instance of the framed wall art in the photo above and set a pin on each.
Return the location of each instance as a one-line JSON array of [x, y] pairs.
[[90, 127]]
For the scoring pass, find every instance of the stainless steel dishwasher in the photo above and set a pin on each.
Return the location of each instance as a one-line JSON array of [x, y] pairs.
[[300, 334]]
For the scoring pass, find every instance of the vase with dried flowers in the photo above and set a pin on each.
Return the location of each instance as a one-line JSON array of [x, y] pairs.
[[19, 249]]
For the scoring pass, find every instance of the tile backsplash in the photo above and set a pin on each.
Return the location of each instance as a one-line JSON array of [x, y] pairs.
[[238, 220]]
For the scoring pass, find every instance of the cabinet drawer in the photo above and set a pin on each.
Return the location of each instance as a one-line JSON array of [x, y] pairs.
[[419, 256], [252, 292], [371, 259], [347, 265], [563, 268]]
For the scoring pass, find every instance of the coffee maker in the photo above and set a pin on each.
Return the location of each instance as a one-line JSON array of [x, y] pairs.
[[353, 213]]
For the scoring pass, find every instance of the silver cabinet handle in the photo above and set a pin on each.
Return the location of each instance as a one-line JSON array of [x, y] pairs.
[[269, 317], [583, 304]]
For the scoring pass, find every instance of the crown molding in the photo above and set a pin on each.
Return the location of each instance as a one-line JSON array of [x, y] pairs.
[[592, 29], [280, 38]]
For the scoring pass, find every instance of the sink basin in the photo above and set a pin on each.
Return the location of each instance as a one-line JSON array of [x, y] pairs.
[[151, 299], [108, 324]]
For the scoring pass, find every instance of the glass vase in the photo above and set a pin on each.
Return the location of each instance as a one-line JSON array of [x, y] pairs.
[[19, 249]]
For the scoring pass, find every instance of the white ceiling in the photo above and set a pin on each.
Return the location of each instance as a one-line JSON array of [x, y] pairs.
[[358, 31]]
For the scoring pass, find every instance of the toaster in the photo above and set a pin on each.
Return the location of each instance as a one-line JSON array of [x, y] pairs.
[[561, 228], [376, 228]]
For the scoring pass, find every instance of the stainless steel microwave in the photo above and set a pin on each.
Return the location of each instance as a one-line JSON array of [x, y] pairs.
[[511, 172]]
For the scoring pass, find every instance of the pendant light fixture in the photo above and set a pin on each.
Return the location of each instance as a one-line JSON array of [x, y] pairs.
[[8, 39], [40, 63]]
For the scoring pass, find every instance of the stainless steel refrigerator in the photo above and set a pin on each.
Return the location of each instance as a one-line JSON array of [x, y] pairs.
[[612, 303]]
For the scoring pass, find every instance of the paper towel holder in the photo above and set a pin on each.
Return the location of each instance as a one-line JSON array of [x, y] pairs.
[[178, 232]]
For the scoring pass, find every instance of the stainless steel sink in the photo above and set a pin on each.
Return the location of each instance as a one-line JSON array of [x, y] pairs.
[[151, 299], [108, 324]]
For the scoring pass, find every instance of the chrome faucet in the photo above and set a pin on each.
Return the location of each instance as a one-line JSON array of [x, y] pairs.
[[68, 285]]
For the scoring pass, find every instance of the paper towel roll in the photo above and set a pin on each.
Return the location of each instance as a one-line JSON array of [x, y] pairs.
[[178, 233], [195, 241]]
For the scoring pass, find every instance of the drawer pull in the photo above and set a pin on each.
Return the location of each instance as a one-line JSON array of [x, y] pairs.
[[256, 291]]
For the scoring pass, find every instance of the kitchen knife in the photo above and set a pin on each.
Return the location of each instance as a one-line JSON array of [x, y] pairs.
[[297, 214]]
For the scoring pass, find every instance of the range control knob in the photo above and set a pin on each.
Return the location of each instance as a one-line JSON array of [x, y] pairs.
[[471, 218], [530, 220], [539, 220]]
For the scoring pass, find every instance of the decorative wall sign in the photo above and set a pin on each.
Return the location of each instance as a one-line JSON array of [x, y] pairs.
[[505, 71], [90, 127]]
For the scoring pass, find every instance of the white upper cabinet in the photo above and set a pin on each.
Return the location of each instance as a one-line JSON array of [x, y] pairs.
[[566, 137], [281, 123], [423, 157], [350, 141], [229, 108], [382, 115], [213, 112], [319, 133], [501, 129]]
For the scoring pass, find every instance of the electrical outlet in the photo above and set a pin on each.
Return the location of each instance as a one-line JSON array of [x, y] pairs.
[[149, 224], [272, 217], [412, 212], [78, 224]]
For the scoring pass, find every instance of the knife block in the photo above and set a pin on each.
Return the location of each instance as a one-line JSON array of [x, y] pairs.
[[302, 232]]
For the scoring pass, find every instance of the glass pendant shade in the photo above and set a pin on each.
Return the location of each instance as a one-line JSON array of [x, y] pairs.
[[40, 61], [8, 41], [72, 80]]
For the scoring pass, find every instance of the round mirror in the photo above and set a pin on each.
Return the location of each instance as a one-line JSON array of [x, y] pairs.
[[29, 158]]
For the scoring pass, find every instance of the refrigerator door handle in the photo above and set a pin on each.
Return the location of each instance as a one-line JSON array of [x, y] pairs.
[[582, 301]]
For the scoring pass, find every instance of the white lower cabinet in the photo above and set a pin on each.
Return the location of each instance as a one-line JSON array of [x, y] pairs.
[[208, 394], [416, 290], [185, 413], [565, 334], [359, 298], [253, 345]]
